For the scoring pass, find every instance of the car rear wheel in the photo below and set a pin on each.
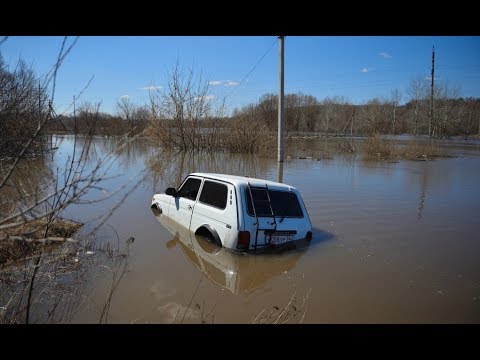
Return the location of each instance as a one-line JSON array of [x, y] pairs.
[[207, 235]]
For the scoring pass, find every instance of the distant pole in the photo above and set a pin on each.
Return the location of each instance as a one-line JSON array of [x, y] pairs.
[[281, 104], [430, 124]]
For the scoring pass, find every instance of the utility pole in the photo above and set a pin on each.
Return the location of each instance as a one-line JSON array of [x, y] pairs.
[[281, 104], [430, 124]]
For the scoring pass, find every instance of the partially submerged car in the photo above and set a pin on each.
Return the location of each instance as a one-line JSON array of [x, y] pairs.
[[237, 212]]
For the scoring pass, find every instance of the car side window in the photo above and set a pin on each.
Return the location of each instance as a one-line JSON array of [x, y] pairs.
[[214, 194], [190, 188]]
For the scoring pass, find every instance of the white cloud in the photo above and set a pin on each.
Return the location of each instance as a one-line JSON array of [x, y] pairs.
[[385, 55], [364, 70], [124, 97], [223, 82], [206, 97], [151, 87]]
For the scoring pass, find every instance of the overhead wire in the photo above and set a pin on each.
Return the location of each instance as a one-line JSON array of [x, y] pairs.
[[250, 71]]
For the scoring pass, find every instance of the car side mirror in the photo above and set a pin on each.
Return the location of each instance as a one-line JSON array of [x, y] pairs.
[[171, 191]]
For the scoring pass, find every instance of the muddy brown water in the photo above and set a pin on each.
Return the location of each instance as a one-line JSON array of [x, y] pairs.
[[393, 243]]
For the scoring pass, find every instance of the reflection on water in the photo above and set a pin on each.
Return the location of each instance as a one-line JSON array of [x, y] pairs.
[[171, 167], [235, 272], [280, 172], [31, 180], [423, 190]]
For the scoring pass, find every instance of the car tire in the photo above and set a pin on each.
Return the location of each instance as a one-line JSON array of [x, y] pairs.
[[207, 235]]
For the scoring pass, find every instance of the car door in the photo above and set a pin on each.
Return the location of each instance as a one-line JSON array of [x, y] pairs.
[[213, 209], [181, 209]]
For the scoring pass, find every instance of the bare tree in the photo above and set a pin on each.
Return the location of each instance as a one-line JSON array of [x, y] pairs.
[[180, 110], [23, 102], [418, 93], [373, 116], [125, 108], [328, 111], [268, 110], [141, 117], [396, 96], [88, 117], [447, 109], [135, 116]]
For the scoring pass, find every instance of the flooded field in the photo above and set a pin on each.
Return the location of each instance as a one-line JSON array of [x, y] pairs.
[[393, 242]]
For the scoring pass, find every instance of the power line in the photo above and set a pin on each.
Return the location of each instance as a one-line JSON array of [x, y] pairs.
[[251, 70]]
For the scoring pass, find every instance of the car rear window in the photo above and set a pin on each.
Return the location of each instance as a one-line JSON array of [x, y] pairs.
[[214, 194], [284, 203]]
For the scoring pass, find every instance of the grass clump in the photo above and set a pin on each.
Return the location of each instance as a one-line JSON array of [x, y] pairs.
[[422, 150], [19, 243], [376, 148]]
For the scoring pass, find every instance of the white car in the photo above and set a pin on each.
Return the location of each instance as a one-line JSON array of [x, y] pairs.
[[239, 213]]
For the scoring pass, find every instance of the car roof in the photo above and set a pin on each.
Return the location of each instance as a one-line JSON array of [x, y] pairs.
[[244, 180]]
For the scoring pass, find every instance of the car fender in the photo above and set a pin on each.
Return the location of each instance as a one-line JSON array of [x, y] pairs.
[[212, 231]]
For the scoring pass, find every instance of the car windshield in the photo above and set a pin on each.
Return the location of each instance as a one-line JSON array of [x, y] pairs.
[[283, 203]]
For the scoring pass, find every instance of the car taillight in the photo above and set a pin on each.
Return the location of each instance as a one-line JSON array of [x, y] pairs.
[[243, 242], [309, 235]]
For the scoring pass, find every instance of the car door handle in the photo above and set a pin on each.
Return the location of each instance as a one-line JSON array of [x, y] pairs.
[[189, 207]]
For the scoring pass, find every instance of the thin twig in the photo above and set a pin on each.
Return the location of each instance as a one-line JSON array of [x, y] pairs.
[[30, 289], [3, 40], [304, 312], [286, 307], [213, 307], [254, 320], [191, 299]]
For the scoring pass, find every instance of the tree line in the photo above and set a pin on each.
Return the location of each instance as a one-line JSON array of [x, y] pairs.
[[183, 114], [169, 117], [452, 115]]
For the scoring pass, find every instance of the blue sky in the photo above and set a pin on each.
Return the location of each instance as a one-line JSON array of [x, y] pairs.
[[355, 67]]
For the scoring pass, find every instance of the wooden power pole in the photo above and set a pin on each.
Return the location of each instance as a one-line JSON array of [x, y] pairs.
[[281, 105], [431, 123]]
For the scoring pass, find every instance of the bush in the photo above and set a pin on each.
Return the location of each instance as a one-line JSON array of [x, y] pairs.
[[377, 148]]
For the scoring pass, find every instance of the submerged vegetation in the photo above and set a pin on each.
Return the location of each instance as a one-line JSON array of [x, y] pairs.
[[376, 148], [35, 234]]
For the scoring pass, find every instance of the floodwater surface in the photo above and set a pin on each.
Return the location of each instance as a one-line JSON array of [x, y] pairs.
[[393, 243]]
